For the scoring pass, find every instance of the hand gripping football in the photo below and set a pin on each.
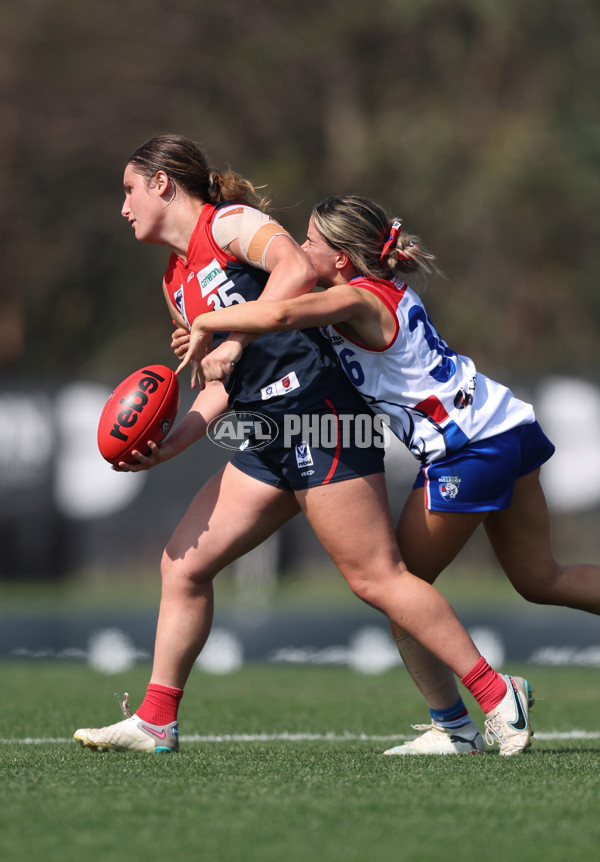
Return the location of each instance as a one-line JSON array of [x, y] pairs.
[[143, 407]]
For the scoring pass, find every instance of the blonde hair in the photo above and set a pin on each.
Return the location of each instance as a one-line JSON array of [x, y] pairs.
[[186, 166], [375, 243]]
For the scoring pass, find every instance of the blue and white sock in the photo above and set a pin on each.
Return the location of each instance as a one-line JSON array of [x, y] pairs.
[[452, 716]]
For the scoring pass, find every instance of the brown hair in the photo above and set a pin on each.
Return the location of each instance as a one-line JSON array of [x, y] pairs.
[[363, 229], [186, 166]]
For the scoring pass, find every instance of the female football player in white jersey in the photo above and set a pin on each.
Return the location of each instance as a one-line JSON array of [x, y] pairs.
[[224, 250], [479, 446]]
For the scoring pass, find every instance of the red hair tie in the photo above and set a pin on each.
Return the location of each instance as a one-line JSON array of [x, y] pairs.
[[391, 241]]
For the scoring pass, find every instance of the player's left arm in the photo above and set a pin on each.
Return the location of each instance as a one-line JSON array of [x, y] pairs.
[[290, 271], [269, 247]]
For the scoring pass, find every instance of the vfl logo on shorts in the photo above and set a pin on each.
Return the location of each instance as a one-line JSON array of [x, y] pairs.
[[303, 455], [449, 487]]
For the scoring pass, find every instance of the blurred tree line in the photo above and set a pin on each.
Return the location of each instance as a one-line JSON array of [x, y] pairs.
[[476, 121]]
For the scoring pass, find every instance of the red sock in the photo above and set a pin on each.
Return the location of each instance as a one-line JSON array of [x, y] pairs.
[[160, 704], [487, 686]]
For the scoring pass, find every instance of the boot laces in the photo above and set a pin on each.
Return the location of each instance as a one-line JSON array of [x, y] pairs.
[[124, 704]]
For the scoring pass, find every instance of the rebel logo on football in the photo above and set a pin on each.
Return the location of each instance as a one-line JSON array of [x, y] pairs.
[[135, 403]]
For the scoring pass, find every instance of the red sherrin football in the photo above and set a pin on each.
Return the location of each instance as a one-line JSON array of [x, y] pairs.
[[143, 407]]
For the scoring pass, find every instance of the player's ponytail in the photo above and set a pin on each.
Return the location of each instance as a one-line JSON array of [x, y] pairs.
[[229, 186], [407, 258], [376, 245]]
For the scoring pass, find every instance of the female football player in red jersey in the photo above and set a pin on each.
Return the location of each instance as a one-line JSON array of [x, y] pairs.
[[225, 251], [480, 447]]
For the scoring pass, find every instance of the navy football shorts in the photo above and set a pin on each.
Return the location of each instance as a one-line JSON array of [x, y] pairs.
[[481, 476], [332, 446]]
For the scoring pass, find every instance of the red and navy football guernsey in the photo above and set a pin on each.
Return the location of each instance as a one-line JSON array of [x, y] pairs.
[[283, 372]]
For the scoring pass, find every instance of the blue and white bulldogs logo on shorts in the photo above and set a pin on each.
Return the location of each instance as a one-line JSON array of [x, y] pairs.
[[449, 487]]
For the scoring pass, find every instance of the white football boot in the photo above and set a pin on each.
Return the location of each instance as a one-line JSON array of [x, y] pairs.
[[132, 734], [508, 724], [442, 740]]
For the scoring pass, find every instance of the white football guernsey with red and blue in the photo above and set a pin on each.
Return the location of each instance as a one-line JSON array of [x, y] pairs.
[[436, 400]]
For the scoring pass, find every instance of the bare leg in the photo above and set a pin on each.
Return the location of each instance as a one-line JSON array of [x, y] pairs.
[[521, 539], [370, 561], [232, 514], [429, 541], [229, 516]]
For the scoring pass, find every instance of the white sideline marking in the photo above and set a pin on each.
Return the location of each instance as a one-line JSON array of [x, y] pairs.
[[304, 737]]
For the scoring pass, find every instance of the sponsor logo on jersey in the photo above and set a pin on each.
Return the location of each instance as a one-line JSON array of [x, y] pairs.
[[303, 455], [280, 387], [210, 277], [449, 486], [332, 335]]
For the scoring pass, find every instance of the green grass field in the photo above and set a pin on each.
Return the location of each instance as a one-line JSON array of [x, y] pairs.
[[326, 795]]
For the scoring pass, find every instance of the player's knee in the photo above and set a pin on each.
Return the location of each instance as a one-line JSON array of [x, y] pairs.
[[529, 592], [374, 585], [181, 573], [368, 591], [541, 590], [173, 568]]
